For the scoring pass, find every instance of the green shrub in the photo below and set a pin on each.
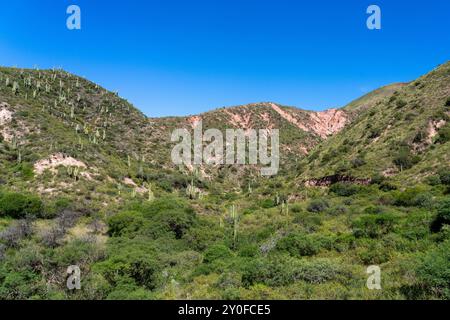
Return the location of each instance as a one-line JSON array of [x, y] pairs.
[[131, 260], [374, 226], [444, 176], [434, 273], [249, 250], [411, 197], [443, 216], [267, 203], [405, 160], [215, 252], [298, 245], [279, 271], [344, 189], [18, 205], [168, 215], [309, 222], [318, 205], [273, 271], [433, 180], [374, 210], [125, 223], [320, 271], [447, 103], [401, 103], [444, 134]]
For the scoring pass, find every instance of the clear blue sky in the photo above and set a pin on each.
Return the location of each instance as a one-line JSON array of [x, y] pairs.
[[173, 57]]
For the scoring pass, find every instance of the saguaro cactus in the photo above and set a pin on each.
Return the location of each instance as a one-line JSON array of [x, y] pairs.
[[235, 220], [151, 196], [191, 190], [15, 88]]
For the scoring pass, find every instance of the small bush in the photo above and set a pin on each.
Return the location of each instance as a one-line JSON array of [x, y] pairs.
[[344, 189], [216, 252], [298, 245], [444, 176], [318, 205], [444, 134], [274, 271], [401, 103], [15, 233], [296, 208], [125, 223], [443, 216], [267, 203], [433, 271], [18, 206], [433, 180], [413, 197], [374, 226], [405, 160]]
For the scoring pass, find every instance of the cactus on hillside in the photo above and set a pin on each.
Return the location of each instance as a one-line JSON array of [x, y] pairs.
[[235, 220], [15, 88]]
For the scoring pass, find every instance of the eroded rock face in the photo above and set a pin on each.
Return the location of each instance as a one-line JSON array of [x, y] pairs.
[[5, 114], [324, 123], [329, 180], [5, 119], [328, 122], [55, 161]]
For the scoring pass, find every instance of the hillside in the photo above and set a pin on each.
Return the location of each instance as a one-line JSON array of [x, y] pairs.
[[86, 179], [401, 135]]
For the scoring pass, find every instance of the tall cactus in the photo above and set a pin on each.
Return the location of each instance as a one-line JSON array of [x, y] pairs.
[[19, 157], [235, 220], [285, 208], [191, 190], [15, 88], [151, 196]]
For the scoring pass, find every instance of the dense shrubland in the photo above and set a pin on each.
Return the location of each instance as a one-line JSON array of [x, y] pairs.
[[164, 248]]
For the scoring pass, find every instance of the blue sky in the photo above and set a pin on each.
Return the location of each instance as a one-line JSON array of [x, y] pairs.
[[173, 57]]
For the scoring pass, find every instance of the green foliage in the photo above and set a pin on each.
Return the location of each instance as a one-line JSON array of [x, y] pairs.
[[374, 226], [443, 216], [299, 245], [411, 197], [444, 134], [444, 176], [125, 223], [433, 271], [447, 103], [167, 215], [401, 103], [134, 261], [344, 189], [404, 159], [318, 205], [18, 205], [216, 252], [267, 203], [280, 270]]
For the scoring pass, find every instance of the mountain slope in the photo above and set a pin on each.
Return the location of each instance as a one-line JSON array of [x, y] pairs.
[[401, 135]]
